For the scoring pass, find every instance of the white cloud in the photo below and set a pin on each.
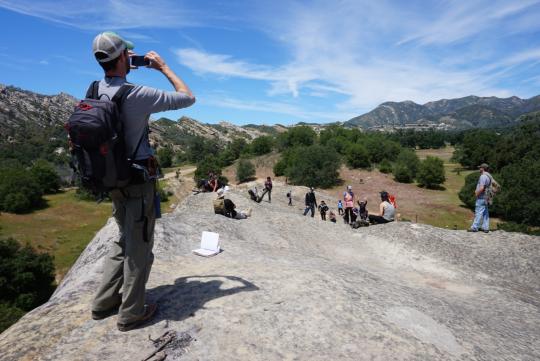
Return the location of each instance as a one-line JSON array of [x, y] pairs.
[[111, 14], [294, 111]]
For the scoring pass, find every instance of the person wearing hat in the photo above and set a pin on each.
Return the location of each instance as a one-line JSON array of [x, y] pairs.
[[386, 211], [130, 259], [226, 207], [481, 209], [348, 200]]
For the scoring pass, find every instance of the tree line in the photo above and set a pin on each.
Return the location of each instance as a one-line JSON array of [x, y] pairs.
[[514, 160]]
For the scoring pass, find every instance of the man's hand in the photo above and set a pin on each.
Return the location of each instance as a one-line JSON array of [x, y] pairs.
[[156, 62]]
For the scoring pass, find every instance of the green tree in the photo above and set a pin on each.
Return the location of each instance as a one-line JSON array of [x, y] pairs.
[[45, 175], [313, 166], [245, 170], [409, 159], [466, 194], [26, 280], [262, 145], [431, 172], [402, 173], [237, 147], [357, 156], [19, 190], [165, 156], [297, 136], [385, 166]]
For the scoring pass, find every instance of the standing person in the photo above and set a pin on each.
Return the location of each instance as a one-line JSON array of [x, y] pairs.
[[311, 202], [340, 207], [323, 208], [267, 189], [481, 210], [348, 199], [289, 197], [386, 211], [130, 259]]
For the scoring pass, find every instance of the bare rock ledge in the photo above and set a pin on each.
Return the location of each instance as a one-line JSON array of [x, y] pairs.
[[288, 287]]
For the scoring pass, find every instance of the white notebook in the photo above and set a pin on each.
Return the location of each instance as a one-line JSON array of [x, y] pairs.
[[209, 245]]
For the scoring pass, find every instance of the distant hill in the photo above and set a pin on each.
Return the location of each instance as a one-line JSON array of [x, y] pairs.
[[460, 113], [32, 126]]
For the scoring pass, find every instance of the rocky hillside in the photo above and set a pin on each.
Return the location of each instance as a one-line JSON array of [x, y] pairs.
[[26, 116], [33, 124], [288, 287], [467, 112]]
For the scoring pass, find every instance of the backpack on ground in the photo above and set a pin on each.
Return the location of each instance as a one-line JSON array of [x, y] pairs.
[[219, 206], [96, 137], [492, 189]]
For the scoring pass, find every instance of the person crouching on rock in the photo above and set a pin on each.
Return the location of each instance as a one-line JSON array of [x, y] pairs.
[[323, 208], [226, 207], [386, 211], [332, 217]]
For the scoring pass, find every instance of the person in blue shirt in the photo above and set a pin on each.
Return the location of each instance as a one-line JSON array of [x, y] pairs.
[[481, 210]]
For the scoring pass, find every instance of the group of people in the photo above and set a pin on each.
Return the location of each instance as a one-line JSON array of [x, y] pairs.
[[354, 216]]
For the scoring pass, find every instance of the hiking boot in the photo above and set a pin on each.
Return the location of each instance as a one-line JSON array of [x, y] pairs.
[[485, 230], [149, 311], [472, 230], [100, 315]]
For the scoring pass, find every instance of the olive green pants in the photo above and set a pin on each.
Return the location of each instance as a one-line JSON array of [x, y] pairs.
[[130, 259]]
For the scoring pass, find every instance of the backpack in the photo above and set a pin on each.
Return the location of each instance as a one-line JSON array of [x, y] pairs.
[[392, 200], [96, 139], [493, 188], [219, 206]]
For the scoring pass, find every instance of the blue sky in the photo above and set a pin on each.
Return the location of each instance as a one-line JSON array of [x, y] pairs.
[[268, 62]]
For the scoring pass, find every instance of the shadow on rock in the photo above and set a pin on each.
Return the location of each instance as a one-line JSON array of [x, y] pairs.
[[187, 295]]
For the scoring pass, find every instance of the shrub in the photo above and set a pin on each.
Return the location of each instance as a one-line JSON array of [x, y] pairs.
[[409, 158], [431, 172], [26, 280], [385, 166], [357, 156], [402, 173], [45, 175], [19, 191], [280, 167], [313, 166], [245, 170], [261, 145], [165, 157], [207, 165], [297, 136], [466, 194]]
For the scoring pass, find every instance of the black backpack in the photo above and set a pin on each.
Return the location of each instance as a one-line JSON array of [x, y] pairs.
[[96, 136]]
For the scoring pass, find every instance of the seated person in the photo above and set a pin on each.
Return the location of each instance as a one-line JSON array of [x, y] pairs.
[[332, 217], [226, 207], [362, 210], [386, 211]]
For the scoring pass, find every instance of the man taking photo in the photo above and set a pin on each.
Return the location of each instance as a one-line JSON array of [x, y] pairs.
[[130, 259]]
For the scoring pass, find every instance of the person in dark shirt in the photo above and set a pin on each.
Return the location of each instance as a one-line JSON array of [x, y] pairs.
[[267, 189], [323, 208], [311, 202]]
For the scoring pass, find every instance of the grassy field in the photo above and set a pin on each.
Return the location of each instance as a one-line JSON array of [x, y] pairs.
[[63, 228]]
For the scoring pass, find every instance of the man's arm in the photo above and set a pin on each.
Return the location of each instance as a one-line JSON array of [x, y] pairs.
[[156, 62]]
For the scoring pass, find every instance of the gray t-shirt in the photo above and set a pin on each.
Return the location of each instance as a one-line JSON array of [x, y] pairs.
[[389, 211], [484, 181], [136, 109]]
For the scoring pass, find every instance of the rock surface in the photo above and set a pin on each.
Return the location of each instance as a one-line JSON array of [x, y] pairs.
[[288, 287]]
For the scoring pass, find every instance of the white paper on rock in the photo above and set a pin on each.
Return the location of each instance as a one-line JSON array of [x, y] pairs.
[[209, 244]]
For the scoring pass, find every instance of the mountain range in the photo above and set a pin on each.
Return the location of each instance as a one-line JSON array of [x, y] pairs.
[[30, 121], [460, 113]]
